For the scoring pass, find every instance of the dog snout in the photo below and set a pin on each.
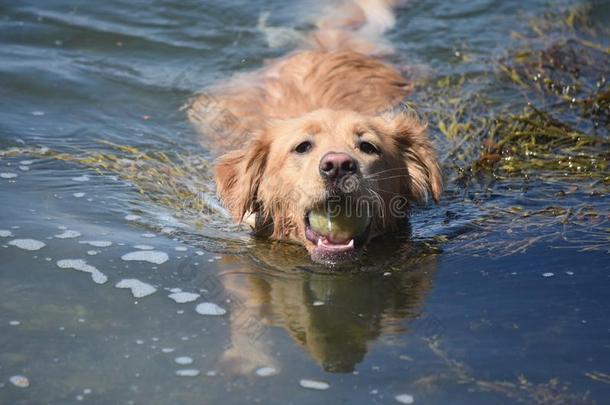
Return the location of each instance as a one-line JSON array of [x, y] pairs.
[[335, 165]]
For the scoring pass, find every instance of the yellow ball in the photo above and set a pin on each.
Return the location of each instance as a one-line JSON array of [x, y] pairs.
[[339, 223]]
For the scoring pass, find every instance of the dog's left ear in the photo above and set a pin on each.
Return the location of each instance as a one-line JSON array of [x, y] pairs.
[[417, 152], [238, 175]]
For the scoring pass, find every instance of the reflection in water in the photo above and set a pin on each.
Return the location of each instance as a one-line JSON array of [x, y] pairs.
[[333, 316]]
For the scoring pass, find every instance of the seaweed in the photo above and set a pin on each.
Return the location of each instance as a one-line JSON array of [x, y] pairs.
[[521, 389], [552, 142], [180, 181]]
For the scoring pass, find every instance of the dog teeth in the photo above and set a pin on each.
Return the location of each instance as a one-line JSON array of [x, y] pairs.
[[319, 242], [350, 244]]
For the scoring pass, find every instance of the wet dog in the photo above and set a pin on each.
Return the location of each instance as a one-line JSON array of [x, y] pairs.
[[316, 147]]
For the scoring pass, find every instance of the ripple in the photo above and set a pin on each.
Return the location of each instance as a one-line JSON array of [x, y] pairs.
[[82, 178]]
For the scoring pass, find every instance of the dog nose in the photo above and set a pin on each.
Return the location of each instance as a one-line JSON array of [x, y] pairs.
[[336, 165]]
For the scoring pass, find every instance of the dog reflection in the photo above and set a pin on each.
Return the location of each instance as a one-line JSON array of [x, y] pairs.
[[333, 316]]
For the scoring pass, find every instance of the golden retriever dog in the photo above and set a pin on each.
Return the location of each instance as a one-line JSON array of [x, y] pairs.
[[317, 149]]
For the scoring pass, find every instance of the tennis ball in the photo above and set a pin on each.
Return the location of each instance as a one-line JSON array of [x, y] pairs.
[[338, 223]]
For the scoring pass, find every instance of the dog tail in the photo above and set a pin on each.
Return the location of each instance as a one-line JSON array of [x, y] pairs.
[[356, 25]]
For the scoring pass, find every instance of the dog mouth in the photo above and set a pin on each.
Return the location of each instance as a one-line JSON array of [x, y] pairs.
[[338, 231]]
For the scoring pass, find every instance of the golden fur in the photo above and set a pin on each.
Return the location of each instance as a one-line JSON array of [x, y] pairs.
[[334, 93]]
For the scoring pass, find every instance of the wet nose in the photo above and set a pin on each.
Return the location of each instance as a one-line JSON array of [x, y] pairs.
[[336, 165]]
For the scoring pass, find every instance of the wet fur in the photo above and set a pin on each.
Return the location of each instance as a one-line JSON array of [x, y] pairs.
[[332, 91]]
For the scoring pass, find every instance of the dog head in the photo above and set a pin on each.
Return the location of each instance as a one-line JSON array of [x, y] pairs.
[[330, 180]]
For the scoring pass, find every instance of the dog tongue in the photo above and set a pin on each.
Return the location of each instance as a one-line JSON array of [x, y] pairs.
[[338, 225]]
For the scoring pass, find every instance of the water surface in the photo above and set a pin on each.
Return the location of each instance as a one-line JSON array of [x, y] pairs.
[[500, 295]]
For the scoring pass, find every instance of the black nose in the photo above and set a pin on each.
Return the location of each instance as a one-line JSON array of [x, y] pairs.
[[336, 165]]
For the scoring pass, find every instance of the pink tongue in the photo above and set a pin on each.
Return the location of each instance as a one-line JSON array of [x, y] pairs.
[[337, 241]]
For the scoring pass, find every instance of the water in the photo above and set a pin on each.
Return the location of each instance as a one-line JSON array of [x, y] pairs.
[[469, 311]]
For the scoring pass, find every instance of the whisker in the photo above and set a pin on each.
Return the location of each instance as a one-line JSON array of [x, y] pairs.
[[385, 171], [390, 177], [388, 191], [379, 199]]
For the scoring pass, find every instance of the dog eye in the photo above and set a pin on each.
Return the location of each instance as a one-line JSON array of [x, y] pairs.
[[303, 147], [368, 148]]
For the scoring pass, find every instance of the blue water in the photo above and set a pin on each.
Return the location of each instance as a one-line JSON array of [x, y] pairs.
[[465, 312]]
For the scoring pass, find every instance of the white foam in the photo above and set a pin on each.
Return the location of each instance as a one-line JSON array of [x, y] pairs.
[[79, 195], [4, 233], [266, 371], [150, 256], [187, 372], [277, 36], [209, 308], [132, 217], [168, 349], [184, 360], [93, 252], [97, 243], [144, 247], [379, 14], [69, 234], [82, 178], [404, 399], [79, 264], [8, 175], [26, 162], [138, 288], [549, 274], [183, 297], [148, 235], [24, 168], [181, 248], [27, 244], [314, 385], [19, 381]]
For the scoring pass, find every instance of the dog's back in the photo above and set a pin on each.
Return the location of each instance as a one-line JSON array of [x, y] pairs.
[[338, 68]]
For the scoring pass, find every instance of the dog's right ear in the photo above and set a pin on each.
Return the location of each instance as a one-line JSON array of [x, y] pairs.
[[238, 175]]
